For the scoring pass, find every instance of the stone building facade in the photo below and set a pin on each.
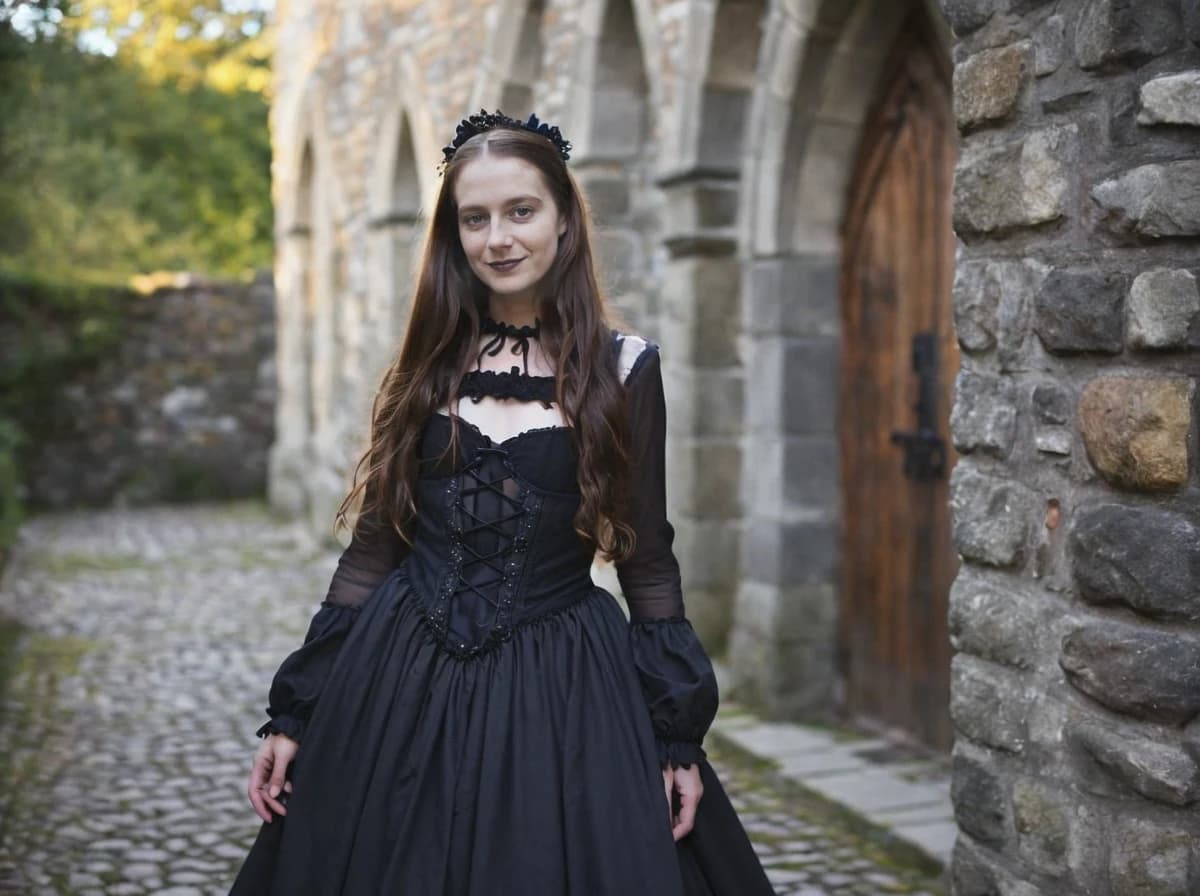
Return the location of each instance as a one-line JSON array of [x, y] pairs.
[[775, 184]]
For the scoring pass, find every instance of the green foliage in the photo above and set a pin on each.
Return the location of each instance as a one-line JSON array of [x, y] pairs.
[[113, 166], [50, 331], [224, 45], [48, 334]]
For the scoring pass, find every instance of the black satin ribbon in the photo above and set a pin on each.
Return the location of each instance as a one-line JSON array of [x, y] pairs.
[[501, 333]]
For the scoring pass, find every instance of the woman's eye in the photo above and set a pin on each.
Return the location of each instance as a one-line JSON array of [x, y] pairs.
[[522, 211], [473, 220]]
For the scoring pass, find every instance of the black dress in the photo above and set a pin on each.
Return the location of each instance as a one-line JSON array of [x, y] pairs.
[[476, 717]]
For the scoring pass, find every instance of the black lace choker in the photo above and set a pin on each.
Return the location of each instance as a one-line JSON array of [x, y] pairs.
[[501, 333], [496, 326]]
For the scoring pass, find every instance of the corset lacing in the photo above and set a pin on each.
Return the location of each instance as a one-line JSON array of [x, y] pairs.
[[505, 562], [495, 526]]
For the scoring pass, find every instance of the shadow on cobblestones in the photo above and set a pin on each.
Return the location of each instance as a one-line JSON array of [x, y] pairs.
[[135, 660]]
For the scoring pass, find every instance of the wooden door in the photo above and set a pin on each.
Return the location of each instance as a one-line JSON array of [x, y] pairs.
[[899, 352]]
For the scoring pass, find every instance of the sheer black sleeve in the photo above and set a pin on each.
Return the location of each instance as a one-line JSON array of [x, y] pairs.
[[676, 673], [375, 550]]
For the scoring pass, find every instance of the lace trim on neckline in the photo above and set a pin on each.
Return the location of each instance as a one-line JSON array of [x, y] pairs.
[[480, 384]]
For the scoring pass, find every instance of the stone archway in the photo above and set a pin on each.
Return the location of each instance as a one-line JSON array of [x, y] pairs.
[[511, 69], [403, 183], [820, 66], [525, 66]]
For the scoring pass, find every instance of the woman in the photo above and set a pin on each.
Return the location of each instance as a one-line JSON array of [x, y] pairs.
[[469, 713]]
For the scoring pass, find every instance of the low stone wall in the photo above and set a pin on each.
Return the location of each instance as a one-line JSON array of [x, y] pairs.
[[180, 408], [1076, 689]]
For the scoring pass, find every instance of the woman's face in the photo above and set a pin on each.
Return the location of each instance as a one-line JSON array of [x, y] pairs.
[[508, 223]]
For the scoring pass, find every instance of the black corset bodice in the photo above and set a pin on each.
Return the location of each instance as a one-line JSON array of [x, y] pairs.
[[494, 544]]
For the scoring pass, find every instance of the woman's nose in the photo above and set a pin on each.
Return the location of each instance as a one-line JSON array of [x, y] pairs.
[[499, 236]]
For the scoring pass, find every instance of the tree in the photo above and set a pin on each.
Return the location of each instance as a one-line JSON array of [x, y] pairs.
[[222, 44], [155, 157]]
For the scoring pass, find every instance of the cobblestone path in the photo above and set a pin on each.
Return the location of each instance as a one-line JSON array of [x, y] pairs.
[[135, 652]]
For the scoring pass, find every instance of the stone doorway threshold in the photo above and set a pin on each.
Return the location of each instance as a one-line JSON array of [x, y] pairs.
[[897, 790]]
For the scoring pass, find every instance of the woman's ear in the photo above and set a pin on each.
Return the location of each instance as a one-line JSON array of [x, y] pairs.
[[562, 225]]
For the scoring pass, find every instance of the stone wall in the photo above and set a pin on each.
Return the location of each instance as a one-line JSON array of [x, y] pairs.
[[1076, 689], [182, 408]]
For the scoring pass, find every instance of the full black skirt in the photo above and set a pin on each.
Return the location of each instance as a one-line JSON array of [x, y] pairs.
[[529, 770]]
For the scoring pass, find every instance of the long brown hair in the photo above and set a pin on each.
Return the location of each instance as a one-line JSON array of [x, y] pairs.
[[439, 349]]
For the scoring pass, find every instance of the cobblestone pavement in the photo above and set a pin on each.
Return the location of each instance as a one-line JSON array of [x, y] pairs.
[[135, 652]]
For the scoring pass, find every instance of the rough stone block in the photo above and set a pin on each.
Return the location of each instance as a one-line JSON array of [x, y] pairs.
[[1171, 99], [1136, 430], [698, 216], [1146, 558], [791, 553], [1050, 46], [991, 305], [702, 295], [716, 486], [795, 386], [984, 417], [988, 84], [1162, 305], [1191, 738], [1004, 183], [1052, 440], [718, 402], [1191, 20], [1157, 200], [980, 801], [1111, 31], [965, 16], [1157, 770], [1149, 859], [811, 463], [1042, 817], [975, 871], [1052, 403], [792, 296], [1080, 310], [619, 255], [1142, 672], [992, 516], [607, 195], [989, 704], [994, 623], [810, 394]]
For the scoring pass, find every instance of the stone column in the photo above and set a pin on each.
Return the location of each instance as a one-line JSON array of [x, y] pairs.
[[701, 334], [1076, 614]]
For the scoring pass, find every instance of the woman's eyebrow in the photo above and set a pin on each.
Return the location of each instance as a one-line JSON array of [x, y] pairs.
[[516, 200]]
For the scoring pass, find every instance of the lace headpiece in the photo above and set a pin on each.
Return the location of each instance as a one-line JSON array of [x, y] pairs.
[[490, 121]]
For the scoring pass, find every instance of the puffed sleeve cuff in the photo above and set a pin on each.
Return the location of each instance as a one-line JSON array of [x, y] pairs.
[[302, 676], [289, 726], [678, 754], [679, 686]]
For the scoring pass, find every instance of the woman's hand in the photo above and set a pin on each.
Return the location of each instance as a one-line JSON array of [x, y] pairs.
[[685, 781], [268, 775]]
